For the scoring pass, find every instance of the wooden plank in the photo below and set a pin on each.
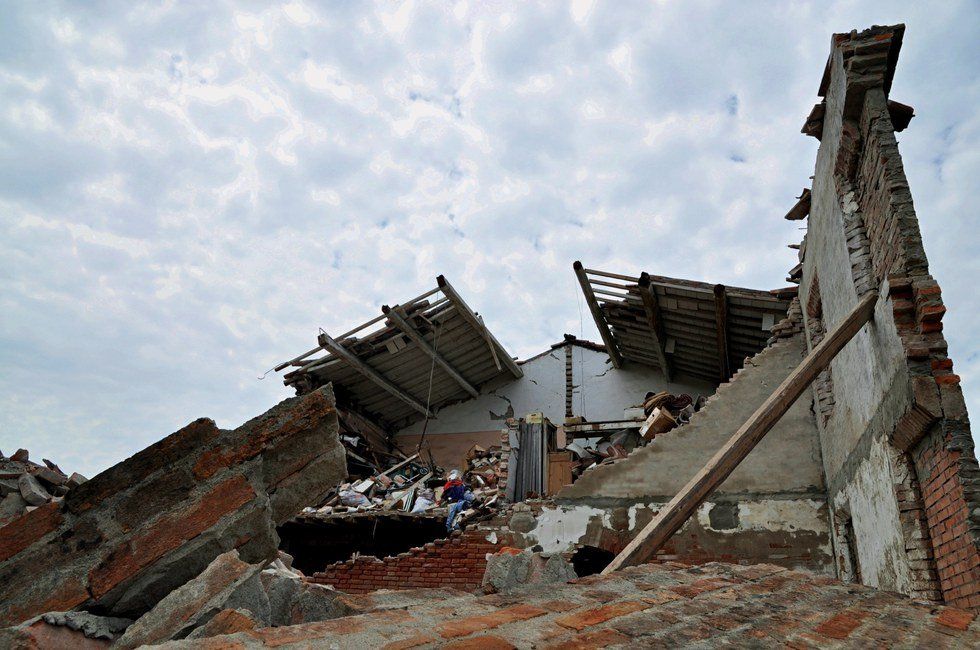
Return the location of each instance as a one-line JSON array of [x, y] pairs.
[[328, 343], [721, 332], [600, 321], [467, 313], [672, 516], [413, 334], [607, 274], [655, 321]]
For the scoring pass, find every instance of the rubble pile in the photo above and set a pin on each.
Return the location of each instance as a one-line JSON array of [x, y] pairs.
[[659, 413], [411, 486], [402, 487], [122, 541], [25, 485]]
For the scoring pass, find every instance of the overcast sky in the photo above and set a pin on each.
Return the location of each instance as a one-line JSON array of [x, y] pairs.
[[189, 190]]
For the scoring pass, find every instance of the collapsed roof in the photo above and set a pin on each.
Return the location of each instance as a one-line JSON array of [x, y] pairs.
[[386, 372], [676, 325]]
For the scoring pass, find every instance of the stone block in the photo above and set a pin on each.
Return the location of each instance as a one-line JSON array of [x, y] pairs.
[[50, 477], [75, 480], [227, 621], [192, 604], [126, 539], [32, 491], [507, 571], [11, 507]]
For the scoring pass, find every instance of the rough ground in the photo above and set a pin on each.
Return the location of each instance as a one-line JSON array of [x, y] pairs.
[[662, 605]]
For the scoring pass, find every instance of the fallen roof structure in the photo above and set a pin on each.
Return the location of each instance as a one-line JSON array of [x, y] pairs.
[[873, 483], [423, 354], [677, 325]]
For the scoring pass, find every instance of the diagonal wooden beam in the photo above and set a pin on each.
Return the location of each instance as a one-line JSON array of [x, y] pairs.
[[672, 516], [652, 308], [721, 332], [395, 317], [476, 323], [600, 320], [345, 355]]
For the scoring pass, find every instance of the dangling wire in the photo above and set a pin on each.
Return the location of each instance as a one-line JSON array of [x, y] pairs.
[[432, 369]]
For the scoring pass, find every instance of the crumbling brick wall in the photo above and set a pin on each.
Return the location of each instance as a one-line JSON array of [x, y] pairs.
[[897, 448], [456, 562]]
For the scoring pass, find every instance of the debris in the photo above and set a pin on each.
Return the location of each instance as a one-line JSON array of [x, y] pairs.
[[108, 628], [32, 491], [191, 604], [138, 530], [227, 621], [507, 570]]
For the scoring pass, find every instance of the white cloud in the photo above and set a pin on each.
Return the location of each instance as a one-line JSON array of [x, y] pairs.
[[190, 191]]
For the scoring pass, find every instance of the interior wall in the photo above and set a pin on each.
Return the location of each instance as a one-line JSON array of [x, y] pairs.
[[600, 392], [449, 449]]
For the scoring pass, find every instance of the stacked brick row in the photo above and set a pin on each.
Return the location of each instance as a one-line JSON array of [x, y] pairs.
[[457, 562], [935, 432], [123, 540]]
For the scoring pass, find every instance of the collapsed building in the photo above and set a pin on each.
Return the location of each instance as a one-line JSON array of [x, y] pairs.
[[792, 465]]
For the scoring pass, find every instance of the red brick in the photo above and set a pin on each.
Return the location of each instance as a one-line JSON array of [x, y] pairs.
[[958, 619], [168, 533], [593, 639], [585, 618], [467, 626], [841, 625], [68, 595], [700, 587], [27, 529]]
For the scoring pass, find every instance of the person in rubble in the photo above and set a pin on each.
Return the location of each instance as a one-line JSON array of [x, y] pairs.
[[458, 495]]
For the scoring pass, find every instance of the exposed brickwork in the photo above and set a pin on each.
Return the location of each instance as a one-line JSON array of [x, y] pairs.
[[823, 385], [456, 562], [654, 605], [885, 248], [123, 540], [925, 581]]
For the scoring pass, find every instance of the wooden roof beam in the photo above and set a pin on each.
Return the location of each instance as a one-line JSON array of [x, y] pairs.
[[600, 321], [342, 353], [672, 516], [395, 317], [721, 332], [652, 309], [464, 310]]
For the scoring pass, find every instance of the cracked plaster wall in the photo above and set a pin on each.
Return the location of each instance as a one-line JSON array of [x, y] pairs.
[[601, 393]]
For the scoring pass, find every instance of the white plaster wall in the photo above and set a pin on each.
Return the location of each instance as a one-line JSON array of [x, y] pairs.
[[869, 375], [560, 528], [602, 393], [870, 499]]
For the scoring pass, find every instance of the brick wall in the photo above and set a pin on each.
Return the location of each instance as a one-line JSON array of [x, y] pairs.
[[456, 562], [936, 430], [937, 478]]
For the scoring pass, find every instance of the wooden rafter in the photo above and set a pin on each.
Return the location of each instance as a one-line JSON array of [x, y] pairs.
[[672, 516], [604, 331], [650, 305], [496, 349], [342, 353], [401, 323], [721, 332]]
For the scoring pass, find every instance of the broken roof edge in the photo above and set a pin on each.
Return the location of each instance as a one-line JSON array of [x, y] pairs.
[[895, 32]]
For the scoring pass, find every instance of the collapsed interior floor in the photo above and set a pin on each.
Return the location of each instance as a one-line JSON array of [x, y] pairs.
[[316, 543]]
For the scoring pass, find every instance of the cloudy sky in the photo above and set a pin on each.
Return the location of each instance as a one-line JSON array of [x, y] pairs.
[[189, 190]]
